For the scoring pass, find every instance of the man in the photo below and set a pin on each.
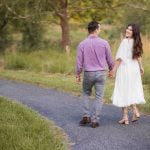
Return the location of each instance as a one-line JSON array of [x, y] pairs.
[[93, 56]]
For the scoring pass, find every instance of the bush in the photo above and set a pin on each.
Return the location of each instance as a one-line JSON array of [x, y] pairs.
[[32, 36], [15, 61]]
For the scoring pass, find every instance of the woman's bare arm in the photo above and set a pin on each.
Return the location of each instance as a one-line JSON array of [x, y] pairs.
[[139, 59]]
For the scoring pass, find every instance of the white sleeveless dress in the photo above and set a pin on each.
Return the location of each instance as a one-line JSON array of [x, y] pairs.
[[128, 88]]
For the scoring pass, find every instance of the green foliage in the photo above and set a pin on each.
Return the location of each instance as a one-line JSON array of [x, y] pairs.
[[5, 39], [32, 36], [30, 18], [133, 11], [26, 17], [21, 17]]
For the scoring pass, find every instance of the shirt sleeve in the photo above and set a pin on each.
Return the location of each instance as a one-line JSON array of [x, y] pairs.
[[79, 60], [121, 52], [109, 58]]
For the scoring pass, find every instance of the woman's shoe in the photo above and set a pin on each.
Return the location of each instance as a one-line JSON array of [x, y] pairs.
[[124, 121], [135, 117]]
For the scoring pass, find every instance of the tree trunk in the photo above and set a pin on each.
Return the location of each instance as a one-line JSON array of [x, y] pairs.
[[65, 41], [64, 22]]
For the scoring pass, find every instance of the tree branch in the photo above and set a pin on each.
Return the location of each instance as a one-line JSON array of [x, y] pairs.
[[138, 7], [15, 15], [3, 24]]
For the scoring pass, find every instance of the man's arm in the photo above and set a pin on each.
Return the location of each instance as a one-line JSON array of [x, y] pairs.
[[109, 58], [79, 63], [112, 73]]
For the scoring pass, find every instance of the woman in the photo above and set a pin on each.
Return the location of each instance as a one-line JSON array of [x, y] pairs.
[[128, 90]]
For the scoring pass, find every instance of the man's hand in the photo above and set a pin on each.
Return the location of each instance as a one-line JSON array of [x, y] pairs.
[[112, 73], [78, 79]]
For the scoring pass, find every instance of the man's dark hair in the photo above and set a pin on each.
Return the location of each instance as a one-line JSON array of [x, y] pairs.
[[92, 26]]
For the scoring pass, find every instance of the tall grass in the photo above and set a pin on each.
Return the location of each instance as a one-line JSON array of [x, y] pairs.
[[146, 60], [50, 61]]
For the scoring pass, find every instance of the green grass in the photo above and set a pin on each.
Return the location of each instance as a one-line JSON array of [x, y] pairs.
[[58, 81], [23, 129], [67, 83]]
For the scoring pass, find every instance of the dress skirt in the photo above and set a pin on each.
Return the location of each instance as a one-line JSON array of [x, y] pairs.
[[128, 88]]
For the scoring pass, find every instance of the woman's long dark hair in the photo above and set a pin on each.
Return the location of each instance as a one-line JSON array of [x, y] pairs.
[[137, 44]]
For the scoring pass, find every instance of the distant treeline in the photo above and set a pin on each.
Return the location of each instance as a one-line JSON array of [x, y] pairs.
[[24, 24]]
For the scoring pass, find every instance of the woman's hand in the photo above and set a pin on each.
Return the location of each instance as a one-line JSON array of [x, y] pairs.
[[139, 59], [142, 70]]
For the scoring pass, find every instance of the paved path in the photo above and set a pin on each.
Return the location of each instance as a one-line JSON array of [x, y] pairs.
[[65, 111]]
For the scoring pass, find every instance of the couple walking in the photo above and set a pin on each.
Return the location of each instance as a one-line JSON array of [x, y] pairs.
[[93, 56]]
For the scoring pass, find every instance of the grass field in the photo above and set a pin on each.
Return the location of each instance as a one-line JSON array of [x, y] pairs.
[[23, 129]]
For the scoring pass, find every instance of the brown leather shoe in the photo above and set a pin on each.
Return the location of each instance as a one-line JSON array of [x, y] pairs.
[[95, 124], [85, 120]]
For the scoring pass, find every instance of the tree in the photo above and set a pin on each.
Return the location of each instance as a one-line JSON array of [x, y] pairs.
[[21, 16], [135, 12], [64, 10], [139, 13]]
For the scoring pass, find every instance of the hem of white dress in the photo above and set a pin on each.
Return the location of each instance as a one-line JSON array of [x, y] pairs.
[[129, 104]]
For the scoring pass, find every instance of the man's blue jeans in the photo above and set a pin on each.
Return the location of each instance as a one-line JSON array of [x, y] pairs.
[[94, 79]]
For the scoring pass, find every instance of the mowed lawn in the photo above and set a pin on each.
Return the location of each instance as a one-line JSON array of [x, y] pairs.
[[23, 129]]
